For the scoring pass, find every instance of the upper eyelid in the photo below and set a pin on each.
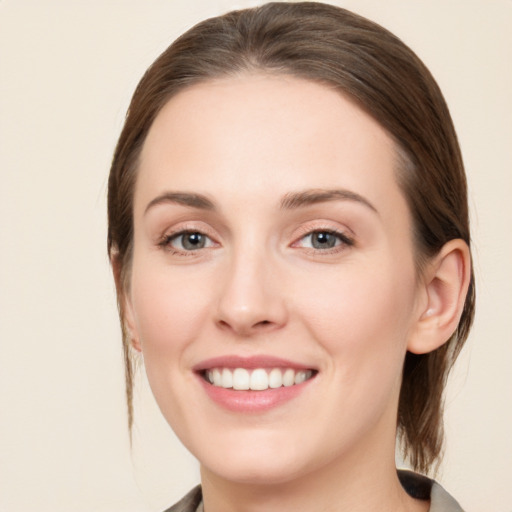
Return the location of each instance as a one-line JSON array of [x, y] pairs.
[[177, 234], [169, 236], [189, 227], [323, 225], [344, 238]]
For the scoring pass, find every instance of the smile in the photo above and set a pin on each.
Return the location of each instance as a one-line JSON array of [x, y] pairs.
[[255, 384], [257, 379]]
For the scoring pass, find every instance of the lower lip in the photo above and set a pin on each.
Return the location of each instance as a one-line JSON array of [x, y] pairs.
[[252, 401]]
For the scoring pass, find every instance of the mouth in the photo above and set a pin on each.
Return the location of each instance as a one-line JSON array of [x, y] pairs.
[[256, 379], [254, 384]]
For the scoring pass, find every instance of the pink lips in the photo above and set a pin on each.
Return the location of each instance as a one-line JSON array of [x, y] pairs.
[[249, 401], [248, 362]]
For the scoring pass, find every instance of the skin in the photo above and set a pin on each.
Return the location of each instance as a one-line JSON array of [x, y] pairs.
[[259, 287]]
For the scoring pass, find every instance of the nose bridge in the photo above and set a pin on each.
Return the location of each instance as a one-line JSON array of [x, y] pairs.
[[248, 300]]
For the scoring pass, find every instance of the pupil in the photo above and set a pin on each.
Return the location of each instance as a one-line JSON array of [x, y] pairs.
[[193, 241], [323, 240]]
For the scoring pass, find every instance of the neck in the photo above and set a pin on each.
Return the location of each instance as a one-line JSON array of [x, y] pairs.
[[343, 486]]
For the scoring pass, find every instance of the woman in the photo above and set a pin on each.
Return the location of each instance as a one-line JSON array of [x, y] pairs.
[[288, 229]]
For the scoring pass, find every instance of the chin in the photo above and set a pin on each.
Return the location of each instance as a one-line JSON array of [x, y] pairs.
[[259, 460], [254, 470]]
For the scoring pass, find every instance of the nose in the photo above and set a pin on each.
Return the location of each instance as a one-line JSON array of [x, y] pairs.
[[251, 300]]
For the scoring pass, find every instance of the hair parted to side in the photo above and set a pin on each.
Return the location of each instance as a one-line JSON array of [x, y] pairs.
[[368, 64]]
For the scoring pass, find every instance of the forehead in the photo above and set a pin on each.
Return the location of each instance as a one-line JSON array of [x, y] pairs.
[[263, 135]]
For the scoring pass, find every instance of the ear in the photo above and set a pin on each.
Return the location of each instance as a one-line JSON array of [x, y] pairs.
[[125, 305], [445, 283]]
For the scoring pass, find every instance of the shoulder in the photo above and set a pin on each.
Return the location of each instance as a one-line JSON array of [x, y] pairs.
[[423, 488], [442, 501], [190, 502]]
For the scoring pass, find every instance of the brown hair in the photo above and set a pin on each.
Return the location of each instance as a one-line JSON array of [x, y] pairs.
[[384, 77]]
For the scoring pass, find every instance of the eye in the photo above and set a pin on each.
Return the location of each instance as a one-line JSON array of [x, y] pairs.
[[187, 241], [324, 240]]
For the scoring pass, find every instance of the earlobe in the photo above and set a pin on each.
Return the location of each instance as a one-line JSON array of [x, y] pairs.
[[134, 340], [125, 306], [446, 282], [129, 322]]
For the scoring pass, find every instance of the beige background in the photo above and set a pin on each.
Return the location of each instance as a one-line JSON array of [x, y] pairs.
[[67, 71]]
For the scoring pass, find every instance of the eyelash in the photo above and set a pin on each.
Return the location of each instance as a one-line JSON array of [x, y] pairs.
[[167, 239], [342, 241]]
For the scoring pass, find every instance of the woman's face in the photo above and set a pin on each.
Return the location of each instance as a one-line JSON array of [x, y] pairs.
[[272, 250]]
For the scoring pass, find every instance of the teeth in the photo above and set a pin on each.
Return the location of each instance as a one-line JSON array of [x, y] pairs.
[[289, 378], [258, 379], [217, 377], [241, 379], [300, 377], [275, 378], [227, 378]]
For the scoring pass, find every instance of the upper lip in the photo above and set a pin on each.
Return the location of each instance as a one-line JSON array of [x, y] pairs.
[[252, 362]]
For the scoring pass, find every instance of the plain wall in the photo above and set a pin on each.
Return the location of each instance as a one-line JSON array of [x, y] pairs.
[[67, 71]]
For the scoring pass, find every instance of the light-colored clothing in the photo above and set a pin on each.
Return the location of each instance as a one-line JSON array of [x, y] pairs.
[[417, 486]]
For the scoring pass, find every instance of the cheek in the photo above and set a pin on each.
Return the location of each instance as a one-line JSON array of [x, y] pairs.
[[169, 310], [360, 313]]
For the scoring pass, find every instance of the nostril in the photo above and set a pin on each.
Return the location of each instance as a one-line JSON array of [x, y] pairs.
[[223, 323], [263, 323]]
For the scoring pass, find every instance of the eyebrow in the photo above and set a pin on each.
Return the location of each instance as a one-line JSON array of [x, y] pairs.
[[313, 196], [183, 198], [290, 201]]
